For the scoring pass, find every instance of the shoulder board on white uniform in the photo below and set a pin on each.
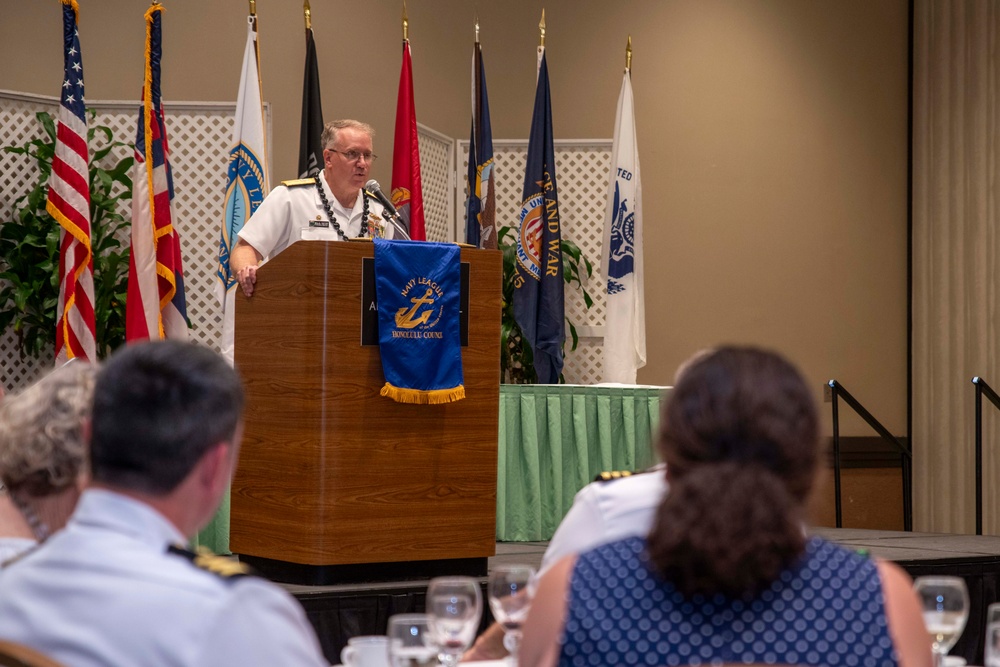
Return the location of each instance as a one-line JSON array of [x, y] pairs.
[[299, 181], [612, 474], [203, 559]]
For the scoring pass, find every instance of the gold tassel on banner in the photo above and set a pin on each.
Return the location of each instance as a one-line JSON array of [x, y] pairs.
[[418, 397]]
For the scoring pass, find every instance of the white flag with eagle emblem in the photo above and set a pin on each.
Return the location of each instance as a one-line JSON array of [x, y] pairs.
[[621, 264]]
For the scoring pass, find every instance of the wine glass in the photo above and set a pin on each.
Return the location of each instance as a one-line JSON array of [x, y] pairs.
[[945, 603], [511, 588], [410, 641], [992, 643], [454, 607]]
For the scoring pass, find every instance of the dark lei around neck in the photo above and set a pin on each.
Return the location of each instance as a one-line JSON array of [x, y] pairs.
[[333, 219]]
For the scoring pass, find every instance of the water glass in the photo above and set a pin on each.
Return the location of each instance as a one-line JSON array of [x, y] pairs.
[[511, 588], [410, 641], [945, 604], [992, 641], [454, 607]]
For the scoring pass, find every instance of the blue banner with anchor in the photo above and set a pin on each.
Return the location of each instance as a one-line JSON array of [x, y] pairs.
[[417, 285]]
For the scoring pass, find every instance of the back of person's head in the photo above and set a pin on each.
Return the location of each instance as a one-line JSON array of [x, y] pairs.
[[42, 445], [739, 436], [158, 407]]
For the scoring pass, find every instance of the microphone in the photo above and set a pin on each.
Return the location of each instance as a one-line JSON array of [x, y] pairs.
[[372, 189]]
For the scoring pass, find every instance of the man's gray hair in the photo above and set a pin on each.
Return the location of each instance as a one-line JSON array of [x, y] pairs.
[[331, 130]]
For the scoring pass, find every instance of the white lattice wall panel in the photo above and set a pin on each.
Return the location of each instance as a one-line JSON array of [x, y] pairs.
[[199, 136], [437, 153], [582, 169]]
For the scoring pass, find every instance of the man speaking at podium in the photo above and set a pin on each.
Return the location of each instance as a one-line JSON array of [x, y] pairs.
[[330, 207]]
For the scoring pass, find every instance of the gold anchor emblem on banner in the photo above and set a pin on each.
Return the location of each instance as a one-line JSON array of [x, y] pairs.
[[404, 316]]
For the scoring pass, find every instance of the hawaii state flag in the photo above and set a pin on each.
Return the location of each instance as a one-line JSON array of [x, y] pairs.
[[480, 211], [246, 181], [155, 306], [538, 286], [69, 203], [406, 192], [621, 263]]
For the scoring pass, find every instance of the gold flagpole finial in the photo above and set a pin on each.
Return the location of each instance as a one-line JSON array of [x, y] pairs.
[[253, 7], [477, 27], [406, 24], [628, 54], [541, 29], [308, 13]]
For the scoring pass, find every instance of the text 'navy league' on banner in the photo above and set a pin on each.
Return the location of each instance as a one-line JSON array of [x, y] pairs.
[[418, 289]]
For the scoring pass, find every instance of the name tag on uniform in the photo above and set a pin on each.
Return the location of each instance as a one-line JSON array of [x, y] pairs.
[[319, 223]]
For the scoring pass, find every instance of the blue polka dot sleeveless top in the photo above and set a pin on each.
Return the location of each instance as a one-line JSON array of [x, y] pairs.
[[827, 609]]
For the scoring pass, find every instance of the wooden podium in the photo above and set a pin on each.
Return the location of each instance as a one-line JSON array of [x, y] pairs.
[[335, 482]]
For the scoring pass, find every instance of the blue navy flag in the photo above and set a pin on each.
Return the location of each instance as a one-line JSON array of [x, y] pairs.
[[538, 286], [480, 213]]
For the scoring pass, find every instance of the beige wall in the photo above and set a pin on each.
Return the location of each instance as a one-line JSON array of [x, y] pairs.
[[772, 134]]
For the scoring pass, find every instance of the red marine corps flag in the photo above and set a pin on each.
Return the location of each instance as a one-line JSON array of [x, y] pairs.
[[69, 203], [406, 192]]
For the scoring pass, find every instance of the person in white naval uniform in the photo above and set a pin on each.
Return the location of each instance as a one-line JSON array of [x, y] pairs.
[[330, 207], [602, 512], [114, 588]]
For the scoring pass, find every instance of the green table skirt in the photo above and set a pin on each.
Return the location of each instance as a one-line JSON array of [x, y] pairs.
[[553, 440]]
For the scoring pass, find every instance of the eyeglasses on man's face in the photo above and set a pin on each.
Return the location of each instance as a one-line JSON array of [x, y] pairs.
[[354, 156]]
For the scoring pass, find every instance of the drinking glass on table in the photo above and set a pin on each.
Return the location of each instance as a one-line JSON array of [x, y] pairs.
[[992, 642], [410, 641], [454, 607], [945, 603], [511, 588]]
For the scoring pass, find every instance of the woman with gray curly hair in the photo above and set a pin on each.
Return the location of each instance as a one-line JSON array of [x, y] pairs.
[[43, 456]]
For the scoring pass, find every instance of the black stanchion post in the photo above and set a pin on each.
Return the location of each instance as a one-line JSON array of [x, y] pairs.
[[836, 454]]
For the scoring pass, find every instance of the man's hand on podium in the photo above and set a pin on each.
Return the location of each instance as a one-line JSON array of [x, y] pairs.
[[247, 278]]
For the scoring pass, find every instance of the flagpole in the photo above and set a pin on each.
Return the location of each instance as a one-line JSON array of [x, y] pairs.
[[628, 54], [406, 25], [541, 45], [308, 13], [260, 84]]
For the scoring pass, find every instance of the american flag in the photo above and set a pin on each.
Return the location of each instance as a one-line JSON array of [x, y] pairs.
[[155, 307], [69, 203]]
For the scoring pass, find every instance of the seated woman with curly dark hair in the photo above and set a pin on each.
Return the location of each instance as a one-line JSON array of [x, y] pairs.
[[43, 456], [727, 574]]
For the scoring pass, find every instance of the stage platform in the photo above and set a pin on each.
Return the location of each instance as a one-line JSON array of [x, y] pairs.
[[339, 612]]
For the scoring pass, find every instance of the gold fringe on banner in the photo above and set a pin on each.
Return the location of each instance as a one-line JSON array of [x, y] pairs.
[[416, 396]]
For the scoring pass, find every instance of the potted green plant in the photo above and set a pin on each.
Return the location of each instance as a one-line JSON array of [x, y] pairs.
[[29, 246], [516, 362]]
